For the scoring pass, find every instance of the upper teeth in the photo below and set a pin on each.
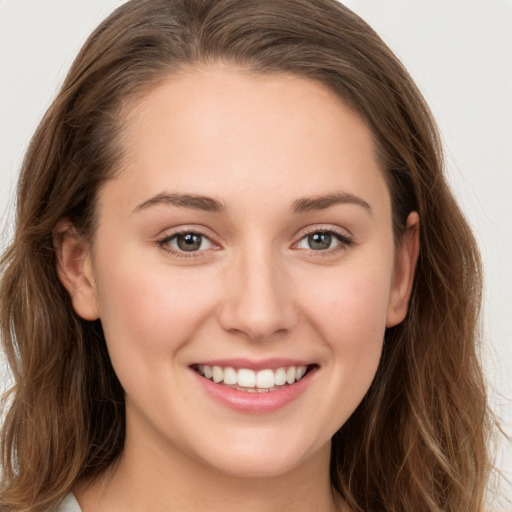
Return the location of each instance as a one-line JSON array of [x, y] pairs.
[[243, 377]]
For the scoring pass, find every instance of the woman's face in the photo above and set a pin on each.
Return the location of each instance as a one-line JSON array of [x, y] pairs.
[[247, 235]]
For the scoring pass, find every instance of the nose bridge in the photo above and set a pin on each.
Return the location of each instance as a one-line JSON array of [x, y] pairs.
[[258, 301]]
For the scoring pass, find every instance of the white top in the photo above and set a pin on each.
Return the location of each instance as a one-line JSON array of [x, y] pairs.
[[69, 505]]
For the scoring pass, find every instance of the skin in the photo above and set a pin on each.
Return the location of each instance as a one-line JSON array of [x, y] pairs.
[[255, 289]]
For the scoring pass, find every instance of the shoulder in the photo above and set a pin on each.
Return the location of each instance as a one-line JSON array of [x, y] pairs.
[[69, 504]]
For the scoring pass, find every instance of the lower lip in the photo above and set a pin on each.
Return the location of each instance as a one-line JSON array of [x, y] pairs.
[[255, 403]]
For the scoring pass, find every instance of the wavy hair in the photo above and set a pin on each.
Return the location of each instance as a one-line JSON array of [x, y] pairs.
[[419, 439]]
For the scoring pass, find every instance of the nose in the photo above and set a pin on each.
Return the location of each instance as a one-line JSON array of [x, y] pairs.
[[258, 299]]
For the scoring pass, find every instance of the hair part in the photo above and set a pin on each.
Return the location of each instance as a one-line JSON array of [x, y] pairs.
[[418, 441]]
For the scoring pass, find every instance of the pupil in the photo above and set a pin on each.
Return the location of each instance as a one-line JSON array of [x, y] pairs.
[[189, 242], [319, 241]]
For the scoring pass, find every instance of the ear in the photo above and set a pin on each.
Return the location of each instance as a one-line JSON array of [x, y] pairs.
[[74, 268], [403, 275]]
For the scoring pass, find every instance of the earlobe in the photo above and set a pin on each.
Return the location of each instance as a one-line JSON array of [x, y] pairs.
[[405, 267], [74, 268]]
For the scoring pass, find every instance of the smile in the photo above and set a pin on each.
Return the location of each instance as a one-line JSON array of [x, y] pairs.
[[251, 381]]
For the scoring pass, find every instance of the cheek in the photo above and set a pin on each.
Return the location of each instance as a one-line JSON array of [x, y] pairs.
[[350, 301], [351, 320], [152, 311], [348, 311]]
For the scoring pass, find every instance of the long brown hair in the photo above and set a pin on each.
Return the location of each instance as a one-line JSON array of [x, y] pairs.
[[418, 441]]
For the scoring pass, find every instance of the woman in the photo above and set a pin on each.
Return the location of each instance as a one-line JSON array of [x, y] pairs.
[[238, 277]]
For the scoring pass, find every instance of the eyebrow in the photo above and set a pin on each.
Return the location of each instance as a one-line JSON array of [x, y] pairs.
[[309, 204], [208, 204], [194, 202]]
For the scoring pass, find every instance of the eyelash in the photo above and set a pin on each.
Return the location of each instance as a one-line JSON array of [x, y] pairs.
[[164, 244], [344, 240]]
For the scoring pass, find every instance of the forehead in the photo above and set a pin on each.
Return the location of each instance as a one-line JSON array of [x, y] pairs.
[[217, 130]]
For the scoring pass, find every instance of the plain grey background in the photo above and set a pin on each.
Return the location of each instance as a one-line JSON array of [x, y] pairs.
[[459, 53]]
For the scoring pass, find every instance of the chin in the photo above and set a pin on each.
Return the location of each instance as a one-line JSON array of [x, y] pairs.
[[261, 458], [258, 467]]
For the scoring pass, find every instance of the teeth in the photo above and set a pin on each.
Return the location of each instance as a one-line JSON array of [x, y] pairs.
[[252, 381], [246, 378], [265, 379], [290, 375], [300, 372], [208, 372], [218, 374], [230, 376], [280, 378]]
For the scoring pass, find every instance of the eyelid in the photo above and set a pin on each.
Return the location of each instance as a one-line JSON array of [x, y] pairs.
[[345, 239], [325, 228], [173, 241], [163, 242]]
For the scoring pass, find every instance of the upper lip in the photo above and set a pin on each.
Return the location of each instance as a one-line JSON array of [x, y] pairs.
[[252, 364]]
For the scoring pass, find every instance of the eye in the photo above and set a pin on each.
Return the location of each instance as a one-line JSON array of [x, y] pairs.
[[189, 241], [323, 240]]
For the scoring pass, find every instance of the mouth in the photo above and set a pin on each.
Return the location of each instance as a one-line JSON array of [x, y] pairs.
[[265, 380]]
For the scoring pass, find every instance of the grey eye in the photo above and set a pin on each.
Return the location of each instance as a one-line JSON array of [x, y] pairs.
[[319, 241], [190, 242]]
